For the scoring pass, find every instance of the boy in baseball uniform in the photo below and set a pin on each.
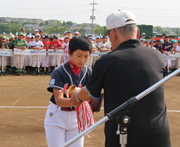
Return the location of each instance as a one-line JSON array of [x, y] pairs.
[[178, 59], [19, 59], [65, 47], [26, 58], [45, 59], [36, 45], [61, 119], [56, 58], [104, 47], [167, 50]]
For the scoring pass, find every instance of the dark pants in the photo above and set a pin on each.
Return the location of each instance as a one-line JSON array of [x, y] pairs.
[[136, 138]]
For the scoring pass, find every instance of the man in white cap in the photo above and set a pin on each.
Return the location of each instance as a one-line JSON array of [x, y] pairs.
[[126, 71]]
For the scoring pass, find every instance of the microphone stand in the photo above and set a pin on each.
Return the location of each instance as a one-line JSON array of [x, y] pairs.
[[120, 114]]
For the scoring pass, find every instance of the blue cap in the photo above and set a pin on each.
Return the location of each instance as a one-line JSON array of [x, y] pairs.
[[97, 37], [106, 36]]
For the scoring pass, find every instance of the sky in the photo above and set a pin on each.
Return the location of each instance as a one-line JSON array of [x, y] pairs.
[[165, 13]]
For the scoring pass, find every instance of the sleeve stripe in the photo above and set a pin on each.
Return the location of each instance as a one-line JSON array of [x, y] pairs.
[[92, 95], [53, 86]]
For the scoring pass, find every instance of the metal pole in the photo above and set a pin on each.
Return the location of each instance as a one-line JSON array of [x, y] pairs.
[[92, 18], [138, 97], [75, 138]]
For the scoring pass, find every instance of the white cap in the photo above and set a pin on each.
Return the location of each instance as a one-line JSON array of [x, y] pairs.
[[37, 35], [119, 19]]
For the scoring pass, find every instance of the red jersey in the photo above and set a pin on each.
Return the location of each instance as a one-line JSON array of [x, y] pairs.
[[56, 44], [47, 45]]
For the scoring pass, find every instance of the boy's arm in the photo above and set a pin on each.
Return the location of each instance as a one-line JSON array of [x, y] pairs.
[[60, 100]]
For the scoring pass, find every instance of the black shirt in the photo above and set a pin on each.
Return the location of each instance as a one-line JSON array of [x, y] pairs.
[[123, 73]]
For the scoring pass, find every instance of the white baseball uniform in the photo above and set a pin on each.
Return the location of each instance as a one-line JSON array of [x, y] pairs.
[[178, 59], [104, 46], [65, 55], [35, 62]]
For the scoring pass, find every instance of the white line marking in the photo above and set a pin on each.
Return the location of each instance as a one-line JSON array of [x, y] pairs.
[[25, 107], [102, 108], [173, 110], [45, 107], [88, 136]]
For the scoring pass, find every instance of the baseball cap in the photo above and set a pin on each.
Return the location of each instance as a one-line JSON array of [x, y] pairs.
[[46, 36], [36, 30], [119, 19], [37, 35], [158, 40], [66, 37], [163, 34], [55, 36], [28, 36], [40, 31], [173, 41], [20, 33], [166, 36], [76, 33], [143, 34], [68, 31], [60, 38], [149, 37], [97, 37], [32, 36], [23, 29]]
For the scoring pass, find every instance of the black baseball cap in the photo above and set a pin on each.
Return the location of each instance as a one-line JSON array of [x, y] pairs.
[[46, 36], [55, 37], [158, 40], [166, 36], [163, 34]]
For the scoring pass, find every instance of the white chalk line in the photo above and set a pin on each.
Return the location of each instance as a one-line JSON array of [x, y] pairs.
[[24, 107], [45, 107]]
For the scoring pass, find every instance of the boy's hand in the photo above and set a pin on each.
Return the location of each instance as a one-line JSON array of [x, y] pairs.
[[73, 100]]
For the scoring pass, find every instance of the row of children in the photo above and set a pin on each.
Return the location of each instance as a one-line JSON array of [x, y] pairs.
[[18, 64], [166, 47]]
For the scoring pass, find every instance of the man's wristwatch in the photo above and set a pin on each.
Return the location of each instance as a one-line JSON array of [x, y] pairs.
[[78, 98]]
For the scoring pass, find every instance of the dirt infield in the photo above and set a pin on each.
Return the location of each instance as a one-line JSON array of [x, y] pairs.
[[23, 126]]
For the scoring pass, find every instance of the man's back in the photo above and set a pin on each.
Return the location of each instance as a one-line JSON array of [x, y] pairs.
[[132, 68]]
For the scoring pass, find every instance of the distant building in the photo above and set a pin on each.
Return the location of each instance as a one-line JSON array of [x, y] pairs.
[[21, 20]]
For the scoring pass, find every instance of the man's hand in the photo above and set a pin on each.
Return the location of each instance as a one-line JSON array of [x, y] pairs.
[[73, 100]]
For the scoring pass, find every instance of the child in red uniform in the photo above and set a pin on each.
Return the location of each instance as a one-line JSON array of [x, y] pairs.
[[45, 58], [55, 58]]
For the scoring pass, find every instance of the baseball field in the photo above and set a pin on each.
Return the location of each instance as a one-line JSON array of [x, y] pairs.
[[23, 104]]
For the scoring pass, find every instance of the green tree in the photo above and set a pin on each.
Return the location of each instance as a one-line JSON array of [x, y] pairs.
[[69, 23], [27, 22], [159, 29], [100, 30], [28, 30], [13, 27], [42, 24], [3, 27], [57, 27]]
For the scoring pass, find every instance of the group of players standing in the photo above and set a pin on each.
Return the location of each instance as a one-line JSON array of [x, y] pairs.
[[19, 64], [166, 47]]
